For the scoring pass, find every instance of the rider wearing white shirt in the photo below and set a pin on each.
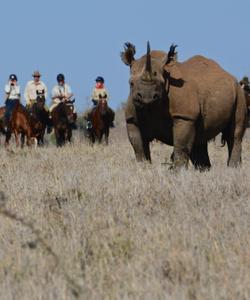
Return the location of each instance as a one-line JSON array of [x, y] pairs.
[[33, 87], [61, 92], [12, 95]]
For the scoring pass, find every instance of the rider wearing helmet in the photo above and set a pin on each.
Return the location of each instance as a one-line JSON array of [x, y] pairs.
[[61, 92], [245, 84], [12, 95], [33, 88], [98, 92]]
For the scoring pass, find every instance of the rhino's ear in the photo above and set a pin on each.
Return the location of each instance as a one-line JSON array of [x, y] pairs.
[[127, 55], [171, 57]]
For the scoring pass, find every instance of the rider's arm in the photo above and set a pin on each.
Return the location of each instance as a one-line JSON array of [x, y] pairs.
[[53, 93], [45, 91], [94, 95], [69, 93], [26, 94], [7, 88], [107, 98]]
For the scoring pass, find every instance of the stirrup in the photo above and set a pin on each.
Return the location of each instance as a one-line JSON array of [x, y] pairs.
[[89, 125]]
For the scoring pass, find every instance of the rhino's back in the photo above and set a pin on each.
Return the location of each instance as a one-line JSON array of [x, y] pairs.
[[209, 86], [205, 71]]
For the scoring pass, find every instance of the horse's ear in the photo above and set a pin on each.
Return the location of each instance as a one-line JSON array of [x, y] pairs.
[[43, 91], [105, 96], [100, 96], [37, 92]]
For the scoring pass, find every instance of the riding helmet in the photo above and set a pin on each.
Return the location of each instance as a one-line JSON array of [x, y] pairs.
[[60, 77], [13, 77], [100, 79]]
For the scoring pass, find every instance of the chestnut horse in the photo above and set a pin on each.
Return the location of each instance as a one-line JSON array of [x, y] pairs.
[[101, 119], [2, 113], [63, 119], [20, 123]]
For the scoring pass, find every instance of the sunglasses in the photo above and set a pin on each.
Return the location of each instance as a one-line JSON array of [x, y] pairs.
[[36, 76]]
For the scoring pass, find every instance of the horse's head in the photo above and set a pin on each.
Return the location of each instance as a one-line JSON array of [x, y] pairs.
[[102, 105], [40, 99], [69, 111]]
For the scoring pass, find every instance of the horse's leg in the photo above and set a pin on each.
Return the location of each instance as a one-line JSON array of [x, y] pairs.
[[28, 135], [92, 138], [99, 135], [57, 134], [7, 137], [69, 135], [16, 137], [22, 139], [107, 135]]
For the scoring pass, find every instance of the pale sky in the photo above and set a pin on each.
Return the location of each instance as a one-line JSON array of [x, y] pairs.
[[83, 38]]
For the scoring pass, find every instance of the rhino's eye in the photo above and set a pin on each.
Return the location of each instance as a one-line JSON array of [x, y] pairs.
[[155, 73]]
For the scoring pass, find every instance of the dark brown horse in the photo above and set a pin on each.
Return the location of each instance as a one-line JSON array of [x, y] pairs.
[[40, 117], [101, 119], [63, 119], [247, 96]]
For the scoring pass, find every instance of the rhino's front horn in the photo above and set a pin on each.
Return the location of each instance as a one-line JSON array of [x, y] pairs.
[[147, 76]]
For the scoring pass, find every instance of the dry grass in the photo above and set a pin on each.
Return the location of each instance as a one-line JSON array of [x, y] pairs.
[[89, 222]]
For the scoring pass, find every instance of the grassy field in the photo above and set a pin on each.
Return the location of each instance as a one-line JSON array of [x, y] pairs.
[[90, 223]]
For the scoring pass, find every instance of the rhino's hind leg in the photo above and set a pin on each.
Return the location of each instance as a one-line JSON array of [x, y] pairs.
[[199, 157], [235, 132], [234, 151]]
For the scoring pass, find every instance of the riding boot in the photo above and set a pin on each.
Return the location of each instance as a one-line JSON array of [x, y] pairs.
[[89, 125], [49, 129], [74, 125]]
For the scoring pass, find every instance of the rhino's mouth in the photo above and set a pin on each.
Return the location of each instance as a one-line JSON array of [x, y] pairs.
[[140, 101]]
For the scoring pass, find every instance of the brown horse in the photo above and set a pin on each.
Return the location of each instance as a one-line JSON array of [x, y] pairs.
[[2, 113], [101, 119], [20, 123], [63, 119]]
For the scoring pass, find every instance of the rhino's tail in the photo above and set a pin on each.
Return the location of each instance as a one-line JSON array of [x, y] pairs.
[[223, 139]]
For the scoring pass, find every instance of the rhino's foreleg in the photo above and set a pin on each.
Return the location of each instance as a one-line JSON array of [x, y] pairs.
[[184, 134], [141, 148]]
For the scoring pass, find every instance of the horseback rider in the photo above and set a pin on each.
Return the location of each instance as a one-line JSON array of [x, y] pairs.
[[34, 88], [98, 92], [245, 84], [61, 93], [12, 95]]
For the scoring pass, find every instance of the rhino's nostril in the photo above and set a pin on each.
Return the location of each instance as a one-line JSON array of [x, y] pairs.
[[139, 96], [155, 97]]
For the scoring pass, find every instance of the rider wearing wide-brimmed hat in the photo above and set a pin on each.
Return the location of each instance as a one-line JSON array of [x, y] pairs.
[[33, 88]]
